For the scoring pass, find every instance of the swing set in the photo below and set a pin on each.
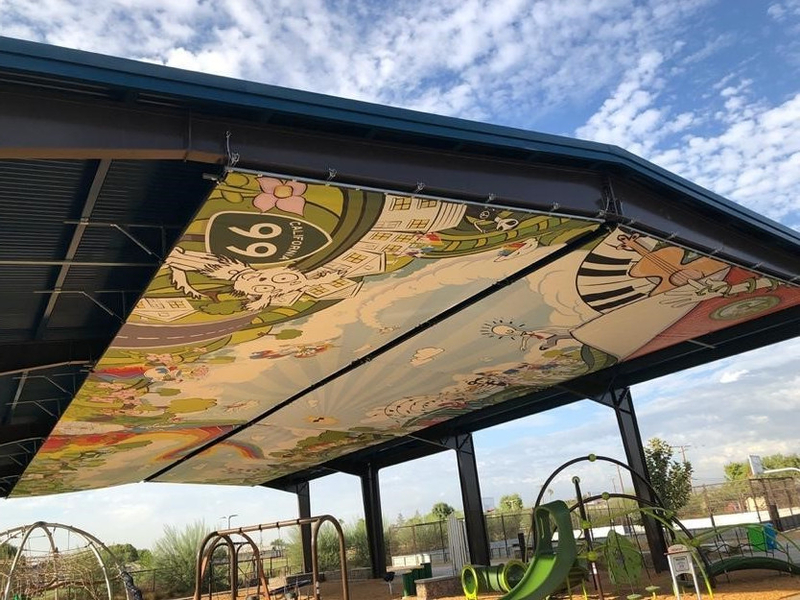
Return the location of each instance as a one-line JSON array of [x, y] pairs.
[[287, 586]]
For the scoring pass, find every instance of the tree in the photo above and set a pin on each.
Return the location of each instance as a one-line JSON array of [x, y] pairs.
[[511, 503], [442, 510], [672, 480], [124, 553], [145, 559], [7, 550], [741, 470], [736, 471], [175, 556]]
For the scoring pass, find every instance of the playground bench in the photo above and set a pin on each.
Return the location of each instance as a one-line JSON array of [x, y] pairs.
[[441, 586]]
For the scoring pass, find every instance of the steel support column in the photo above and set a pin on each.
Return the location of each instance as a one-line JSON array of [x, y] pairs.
[[304, 512], [373, 518], [622, 403], [477, 537]]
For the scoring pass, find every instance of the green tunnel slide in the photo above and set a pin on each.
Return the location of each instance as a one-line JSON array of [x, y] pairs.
[[547, 571], [549, 568]]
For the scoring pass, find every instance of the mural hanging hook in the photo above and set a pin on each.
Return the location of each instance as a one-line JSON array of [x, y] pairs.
[[331, 175], [232, 157], [419, 188]]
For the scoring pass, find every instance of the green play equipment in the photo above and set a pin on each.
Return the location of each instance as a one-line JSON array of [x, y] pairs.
[[622, 558], [739, 563], [476, 580], [762, 537], [547, 571], [512, 574], [550, 565]]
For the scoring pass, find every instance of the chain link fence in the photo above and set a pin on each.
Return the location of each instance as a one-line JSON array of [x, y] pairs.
[[405, 544], [763, 499], [760, 500]]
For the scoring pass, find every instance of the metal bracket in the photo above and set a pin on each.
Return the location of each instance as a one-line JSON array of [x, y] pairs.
[[90, 297], [612, 207], [136, 241], [232, 157]]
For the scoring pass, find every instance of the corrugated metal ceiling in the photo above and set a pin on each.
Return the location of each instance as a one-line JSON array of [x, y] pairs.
[[41, 203]]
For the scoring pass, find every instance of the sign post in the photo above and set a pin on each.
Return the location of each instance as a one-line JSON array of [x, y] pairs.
[[680, 562]]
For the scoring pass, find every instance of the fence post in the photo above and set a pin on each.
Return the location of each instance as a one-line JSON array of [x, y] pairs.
[[505, 535], [441, 542]]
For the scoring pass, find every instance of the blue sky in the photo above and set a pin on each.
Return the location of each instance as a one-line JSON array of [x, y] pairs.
[[708, 89]]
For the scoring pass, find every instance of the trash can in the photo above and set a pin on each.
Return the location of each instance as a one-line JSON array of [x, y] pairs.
[[770, 536], [427, 571], [409, 584]]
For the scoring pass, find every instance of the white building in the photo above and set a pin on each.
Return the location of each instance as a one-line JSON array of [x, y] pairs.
[[421, 215]]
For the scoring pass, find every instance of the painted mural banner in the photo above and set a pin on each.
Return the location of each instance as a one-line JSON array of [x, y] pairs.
[[279, 284], [275, 284]]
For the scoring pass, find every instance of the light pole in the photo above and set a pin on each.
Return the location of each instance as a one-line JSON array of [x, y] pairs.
[[229, 517]]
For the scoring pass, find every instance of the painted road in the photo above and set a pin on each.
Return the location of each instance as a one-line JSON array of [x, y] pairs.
[[137, 335]]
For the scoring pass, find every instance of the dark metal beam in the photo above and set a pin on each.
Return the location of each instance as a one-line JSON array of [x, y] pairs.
[[25, 431], [622, 403], [77, 235], [477, 536], [102, 129], [373, 518], [30, 356], [74, 263], [303, 492], [93, 193]]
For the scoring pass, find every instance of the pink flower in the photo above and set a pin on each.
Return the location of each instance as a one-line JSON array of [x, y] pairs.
[[286, 195]]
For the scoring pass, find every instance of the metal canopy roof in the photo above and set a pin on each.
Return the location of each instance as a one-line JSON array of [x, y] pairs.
[[107, 164]]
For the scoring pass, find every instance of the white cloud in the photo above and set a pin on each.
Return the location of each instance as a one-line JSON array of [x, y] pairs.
[[781, 11], [753, 157], [731, 376], [749, 151], [425, 355], [508, 61]]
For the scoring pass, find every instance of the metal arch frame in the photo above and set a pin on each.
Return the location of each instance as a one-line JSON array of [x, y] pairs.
[[93, 544], [315, 522], [655, 536], [594, 458], [666, 517], [206, 556]]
